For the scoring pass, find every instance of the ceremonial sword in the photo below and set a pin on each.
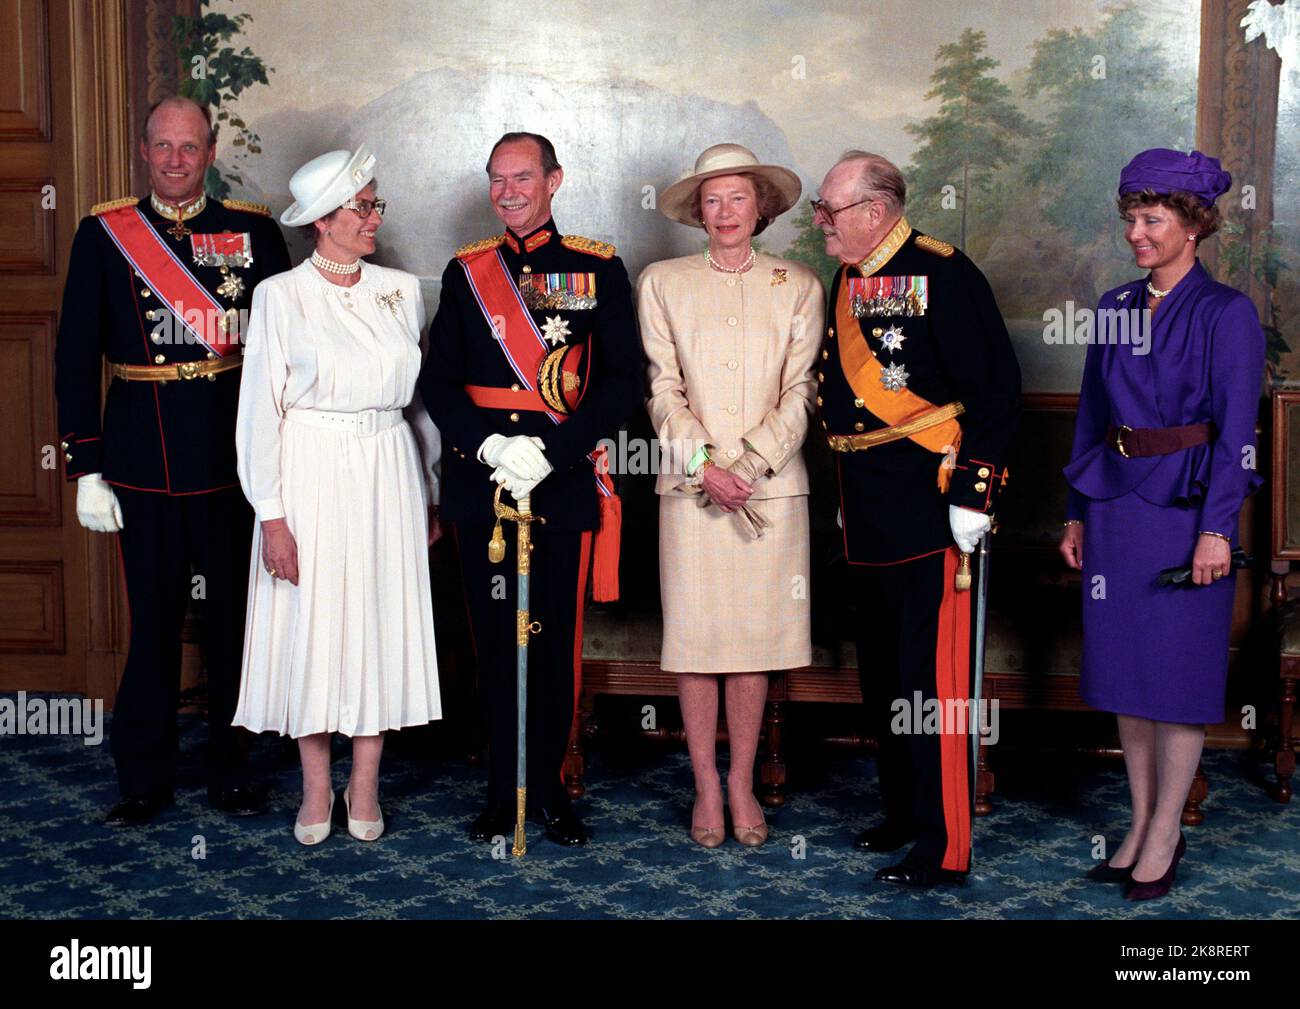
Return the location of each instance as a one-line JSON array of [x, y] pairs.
[[524, 517]]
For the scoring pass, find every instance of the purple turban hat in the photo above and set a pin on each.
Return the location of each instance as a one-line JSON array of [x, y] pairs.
[[1164, 171]]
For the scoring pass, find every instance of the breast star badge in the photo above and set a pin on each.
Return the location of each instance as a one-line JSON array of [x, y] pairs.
[[892, 338], [555, 330], [894, 378], [232, 287]]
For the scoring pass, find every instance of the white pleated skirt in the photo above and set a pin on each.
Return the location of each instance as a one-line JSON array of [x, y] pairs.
[[350, 648]]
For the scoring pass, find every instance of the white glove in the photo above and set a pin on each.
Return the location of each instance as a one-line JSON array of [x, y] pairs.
[[513, 482], [520, 454], [967, 527], [97, 507]]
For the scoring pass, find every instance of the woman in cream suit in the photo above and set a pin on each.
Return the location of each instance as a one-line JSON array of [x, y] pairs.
[[731, 336]]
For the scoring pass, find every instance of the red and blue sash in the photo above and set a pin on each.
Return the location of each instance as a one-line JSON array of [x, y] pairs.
[[169, 278]]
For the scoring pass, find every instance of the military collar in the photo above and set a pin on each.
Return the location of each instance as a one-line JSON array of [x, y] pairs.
[[191, 209], [534, 240], [889, 245]]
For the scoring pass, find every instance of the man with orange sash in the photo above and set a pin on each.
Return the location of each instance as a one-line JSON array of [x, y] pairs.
[[533, 359], [158, 287], [919, 395]]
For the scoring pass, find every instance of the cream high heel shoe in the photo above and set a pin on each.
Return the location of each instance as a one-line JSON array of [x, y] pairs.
[[314, 833], [360, 828]]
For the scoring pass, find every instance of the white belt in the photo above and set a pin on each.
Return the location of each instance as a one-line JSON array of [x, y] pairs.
[[364, 422]]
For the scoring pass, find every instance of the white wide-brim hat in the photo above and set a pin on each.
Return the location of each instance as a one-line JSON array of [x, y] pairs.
[[726, 159], [325, 183]]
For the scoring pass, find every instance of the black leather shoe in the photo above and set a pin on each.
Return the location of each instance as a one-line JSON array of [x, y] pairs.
[[919, 876], [497, 818], [562, 824], [237, 800], [135, 811], [885, 837]]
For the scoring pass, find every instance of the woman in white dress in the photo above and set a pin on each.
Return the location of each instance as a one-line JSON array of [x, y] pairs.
[[339, 635]]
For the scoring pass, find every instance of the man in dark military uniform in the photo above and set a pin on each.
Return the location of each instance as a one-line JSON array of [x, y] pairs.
[[919, 394], [158, 286], [533, 359]]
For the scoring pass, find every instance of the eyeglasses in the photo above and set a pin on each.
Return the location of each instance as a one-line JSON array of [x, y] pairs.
[[362, 208], [823, 209]]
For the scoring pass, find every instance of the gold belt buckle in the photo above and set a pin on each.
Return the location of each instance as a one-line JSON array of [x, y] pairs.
[[1119, 440], [189, 369]]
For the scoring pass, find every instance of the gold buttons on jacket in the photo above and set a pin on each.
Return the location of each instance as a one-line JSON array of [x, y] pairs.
[[830, 331], [156, 337], [149, 315], [826, 355], [514, 418], [145, 292], [859, 403], [63, 445], [67, 456], [160, 359], [983, 471], [859, 426], [877, 332], [514, 386], [981, 486], [821, 376], [527, 268], [819, 401]]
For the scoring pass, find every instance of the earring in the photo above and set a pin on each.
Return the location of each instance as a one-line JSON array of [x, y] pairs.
[[1191, 238]]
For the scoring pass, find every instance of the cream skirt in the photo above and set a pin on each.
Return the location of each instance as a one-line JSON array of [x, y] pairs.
[[733, 604]]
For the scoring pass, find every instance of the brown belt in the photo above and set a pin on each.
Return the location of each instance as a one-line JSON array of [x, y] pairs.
[[929, 419], [1135, 443], [171, 372]]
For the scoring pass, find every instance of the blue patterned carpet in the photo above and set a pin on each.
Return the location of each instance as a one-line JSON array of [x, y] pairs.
[[57, 861]]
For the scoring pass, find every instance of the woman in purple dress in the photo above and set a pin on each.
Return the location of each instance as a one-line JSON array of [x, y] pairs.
[[1164, 455]]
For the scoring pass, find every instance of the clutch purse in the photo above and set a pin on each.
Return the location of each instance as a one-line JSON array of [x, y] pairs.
[[1182, 577]]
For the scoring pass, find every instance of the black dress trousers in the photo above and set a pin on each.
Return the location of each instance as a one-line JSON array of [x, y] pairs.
[[556, 586], [176, 548]]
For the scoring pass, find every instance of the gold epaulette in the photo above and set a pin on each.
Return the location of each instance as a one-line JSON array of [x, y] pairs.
[[106, 206], [248, 205], [588, 245], [935, 245], [482, 245]]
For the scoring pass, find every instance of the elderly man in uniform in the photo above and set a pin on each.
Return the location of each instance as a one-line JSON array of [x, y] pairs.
[[157, 286], [533, 359], [919, 393]]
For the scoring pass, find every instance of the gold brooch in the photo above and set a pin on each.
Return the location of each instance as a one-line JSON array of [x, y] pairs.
[[779, 276], [390, 300]]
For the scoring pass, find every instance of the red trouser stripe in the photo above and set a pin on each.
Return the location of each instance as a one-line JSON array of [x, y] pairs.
[[952, 676]]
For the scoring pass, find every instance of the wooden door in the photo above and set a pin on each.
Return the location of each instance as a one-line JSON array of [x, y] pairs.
[[63, 147]]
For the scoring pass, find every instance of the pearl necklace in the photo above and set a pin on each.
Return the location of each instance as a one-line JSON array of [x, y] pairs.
[[1155, 293], [329, 266], [749, 261]]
